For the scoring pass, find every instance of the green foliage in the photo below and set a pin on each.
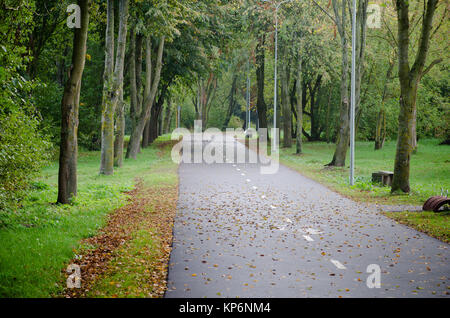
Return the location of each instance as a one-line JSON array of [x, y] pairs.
[[39, 239], [235, 122], [47, 101], [23, 152], [24, 147]]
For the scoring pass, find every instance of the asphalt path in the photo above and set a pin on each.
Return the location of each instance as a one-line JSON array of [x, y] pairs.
[[239, 233]]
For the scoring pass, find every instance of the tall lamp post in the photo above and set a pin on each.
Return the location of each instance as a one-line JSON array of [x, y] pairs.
[[248, 96], [353, 98], [277, 6]]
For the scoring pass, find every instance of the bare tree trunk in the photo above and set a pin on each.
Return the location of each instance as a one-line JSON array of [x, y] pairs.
[[160, 124], [409, 81], [156, 114], [380, 133], [231, 101], [361, 22], [206, 93], [344, 128], [67, 174], [120, 132], [328, 126], [136, 77], [285, 106], [260, 80], [133, 146], [313, 91], [414, 131], [114, 83], [299, 87], [148, 75], [107, 122], [146, 133], [168, 117]]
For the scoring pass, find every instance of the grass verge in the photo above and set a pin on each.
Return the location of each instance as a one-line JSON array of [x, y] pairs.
[[40, 238], [434, 224], [430, 168]]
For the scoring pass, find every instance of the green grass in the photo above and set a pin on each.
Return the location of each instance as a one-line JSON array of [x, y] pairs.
[[430, 168], [128, 272], [137, 268], [432, 223], [38, 240]]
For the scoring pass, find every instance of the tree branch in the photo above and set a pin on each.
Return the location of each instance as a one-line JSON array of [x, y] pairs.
[[324, 11], [429, 67]]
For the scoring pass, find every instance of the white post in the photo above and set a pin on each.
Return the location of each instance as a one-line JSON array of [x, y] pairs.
[[353, 98]]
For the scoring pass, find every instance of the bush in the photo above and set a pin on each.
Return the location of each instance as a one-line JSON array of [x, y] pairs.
[[235, 122], [23, 151]]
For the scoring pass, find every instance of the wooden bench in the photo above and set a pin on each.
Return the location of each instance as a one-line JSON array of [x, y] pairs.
[[383, 177]]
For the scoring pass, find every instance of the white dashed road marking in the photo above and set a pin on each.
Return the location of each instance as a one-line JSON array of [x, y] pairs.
[[312, 231], [338, 264]]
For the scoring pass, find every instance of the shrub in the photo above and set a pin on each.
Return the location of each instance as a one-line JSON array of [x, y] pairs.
[[23, 151]]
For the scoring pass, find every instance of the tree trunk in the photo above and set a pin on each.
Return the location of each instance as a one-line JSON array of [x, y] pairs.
[[328, 126], [299, 86], [67, 174], [168, 117], [414, 131], [107, 118], [146, 133], [155, 117], [160, 124], [380, 135], [135, 77], [113, 85], [135, 139], [260, 65], [344, 127], [343, 138], [409, 81], [120, 132], [315, 128], [361, 22], [231, 102], [285, 105], [206, 93]]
